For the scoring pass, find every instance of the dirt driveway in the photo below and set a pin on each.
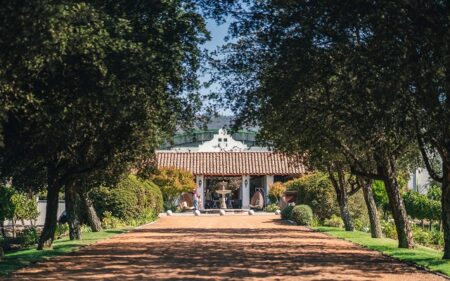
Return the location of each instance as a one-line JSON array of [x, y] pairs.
[[222, 248]]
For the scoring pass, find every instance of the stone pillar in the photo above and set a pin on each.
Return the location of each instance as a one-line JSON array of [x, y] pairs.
[[268, 181], [245, 192], [200, 179]]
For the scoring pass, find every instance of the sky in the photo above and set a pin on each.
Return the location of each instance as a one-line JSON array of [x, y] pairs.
[[218, 34]]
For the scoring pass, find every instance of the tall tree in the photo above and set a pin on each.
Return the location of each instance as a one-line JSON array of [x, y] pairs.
[[300, 61], [92, 85]]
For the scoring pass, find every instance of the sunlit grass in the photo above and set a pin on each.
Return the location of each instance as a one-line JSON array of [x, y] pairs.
[[423, 256], [16, 260]]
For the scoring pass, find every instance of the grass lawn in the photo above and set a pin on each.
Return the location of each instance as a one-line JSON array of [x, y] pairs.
[[15, 260], [423, 256]]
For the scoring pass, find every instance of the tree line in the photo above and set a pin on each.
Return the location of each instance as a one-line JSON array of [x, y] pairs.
[[358, 89], [89, 90]]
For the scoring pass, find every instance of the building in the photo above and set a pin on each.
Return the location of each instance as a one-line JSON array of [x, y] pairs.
[[217, 160]]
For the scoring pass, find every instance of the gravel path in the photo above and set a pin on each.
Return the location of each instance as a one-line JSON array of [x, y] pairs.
[[222, 248]]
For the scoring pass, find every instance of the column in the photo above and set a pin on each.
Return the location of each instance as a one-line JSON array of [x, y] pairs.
[[268, 181], [245, 193], [200, 179]]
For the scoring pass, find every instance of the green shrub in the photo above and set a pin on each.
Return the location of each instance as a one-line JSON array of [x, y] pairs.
[[437, 237], [29, 236], [130, 200], [111, 222], [388, 229], [302, 215], [86, 228], [173, 182], [334, 221], [421, 236], [420, 206], [361, 224], [316, 191], [62, 229], [272, 207], [287, 212]]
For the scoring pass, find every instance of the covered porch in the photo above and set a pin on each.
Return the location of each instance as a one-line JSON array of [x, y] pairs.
[[244, 174]]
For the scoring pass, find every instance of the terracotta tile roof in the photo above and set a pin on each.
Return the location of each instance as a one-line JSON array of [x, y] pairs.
[[230, 163]]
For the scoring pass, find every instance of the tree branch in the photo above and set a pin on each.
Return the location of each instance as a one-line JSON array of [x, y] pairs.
[[433, 174], [365, 175]]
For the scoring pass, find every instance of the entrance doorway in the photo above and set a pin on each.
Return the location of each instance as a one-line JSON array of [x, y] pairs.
[[233, 199]]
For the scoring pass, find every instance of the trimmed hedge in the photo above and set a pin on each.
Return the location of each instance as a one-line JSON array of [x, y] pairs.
[[130, 199], [302, 215]]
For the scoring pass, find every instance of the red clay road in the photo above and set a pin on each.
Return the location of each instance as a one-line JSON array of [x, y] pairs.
[[222, 248]]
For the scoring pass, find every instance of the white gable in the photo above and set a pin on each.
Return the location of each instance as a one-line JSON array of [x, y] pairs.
[[222, 142]]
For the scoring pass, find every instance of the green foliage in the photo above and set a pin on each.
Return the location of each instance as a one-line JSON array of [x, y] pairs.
[[91, 88], [362, 224], [85, 228], [272, 207], [316, 191], [129, 200], [380, 195], [6, 206], [15, 205], [277, 190], [173, 182], [62, 229], [25, 208], [420, 207], [302, 215], [388, 229], [111, 222], [29, 236], [334, 221], [287, 212]]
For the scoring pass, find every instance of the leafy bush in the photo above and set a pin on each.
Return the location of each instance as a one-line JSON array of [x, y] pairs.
[[419, 206], [361, 224], [421, 236], [437, 237], [131, 199], [29, 236], [110, 222], [272, 207], [316, 191], [388, 229], [173, 182], [287, 212], [62, 229], [86, 228], [334, 221], [16, 206], [276, 191], [302, 215]]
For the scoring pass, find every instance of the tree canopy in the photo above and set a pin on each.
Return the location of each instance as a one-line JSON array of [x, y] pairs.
[[93, 87]]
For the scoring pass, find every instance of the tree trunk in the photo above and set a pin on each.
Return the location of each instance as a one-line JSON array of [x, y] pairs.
[[375, 228], [13, 224], [51, 216], [445, 201], [345, 213], [2, 253], [2, 226], [92, 218], [342, 198], [386, 168], [70, 197]]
